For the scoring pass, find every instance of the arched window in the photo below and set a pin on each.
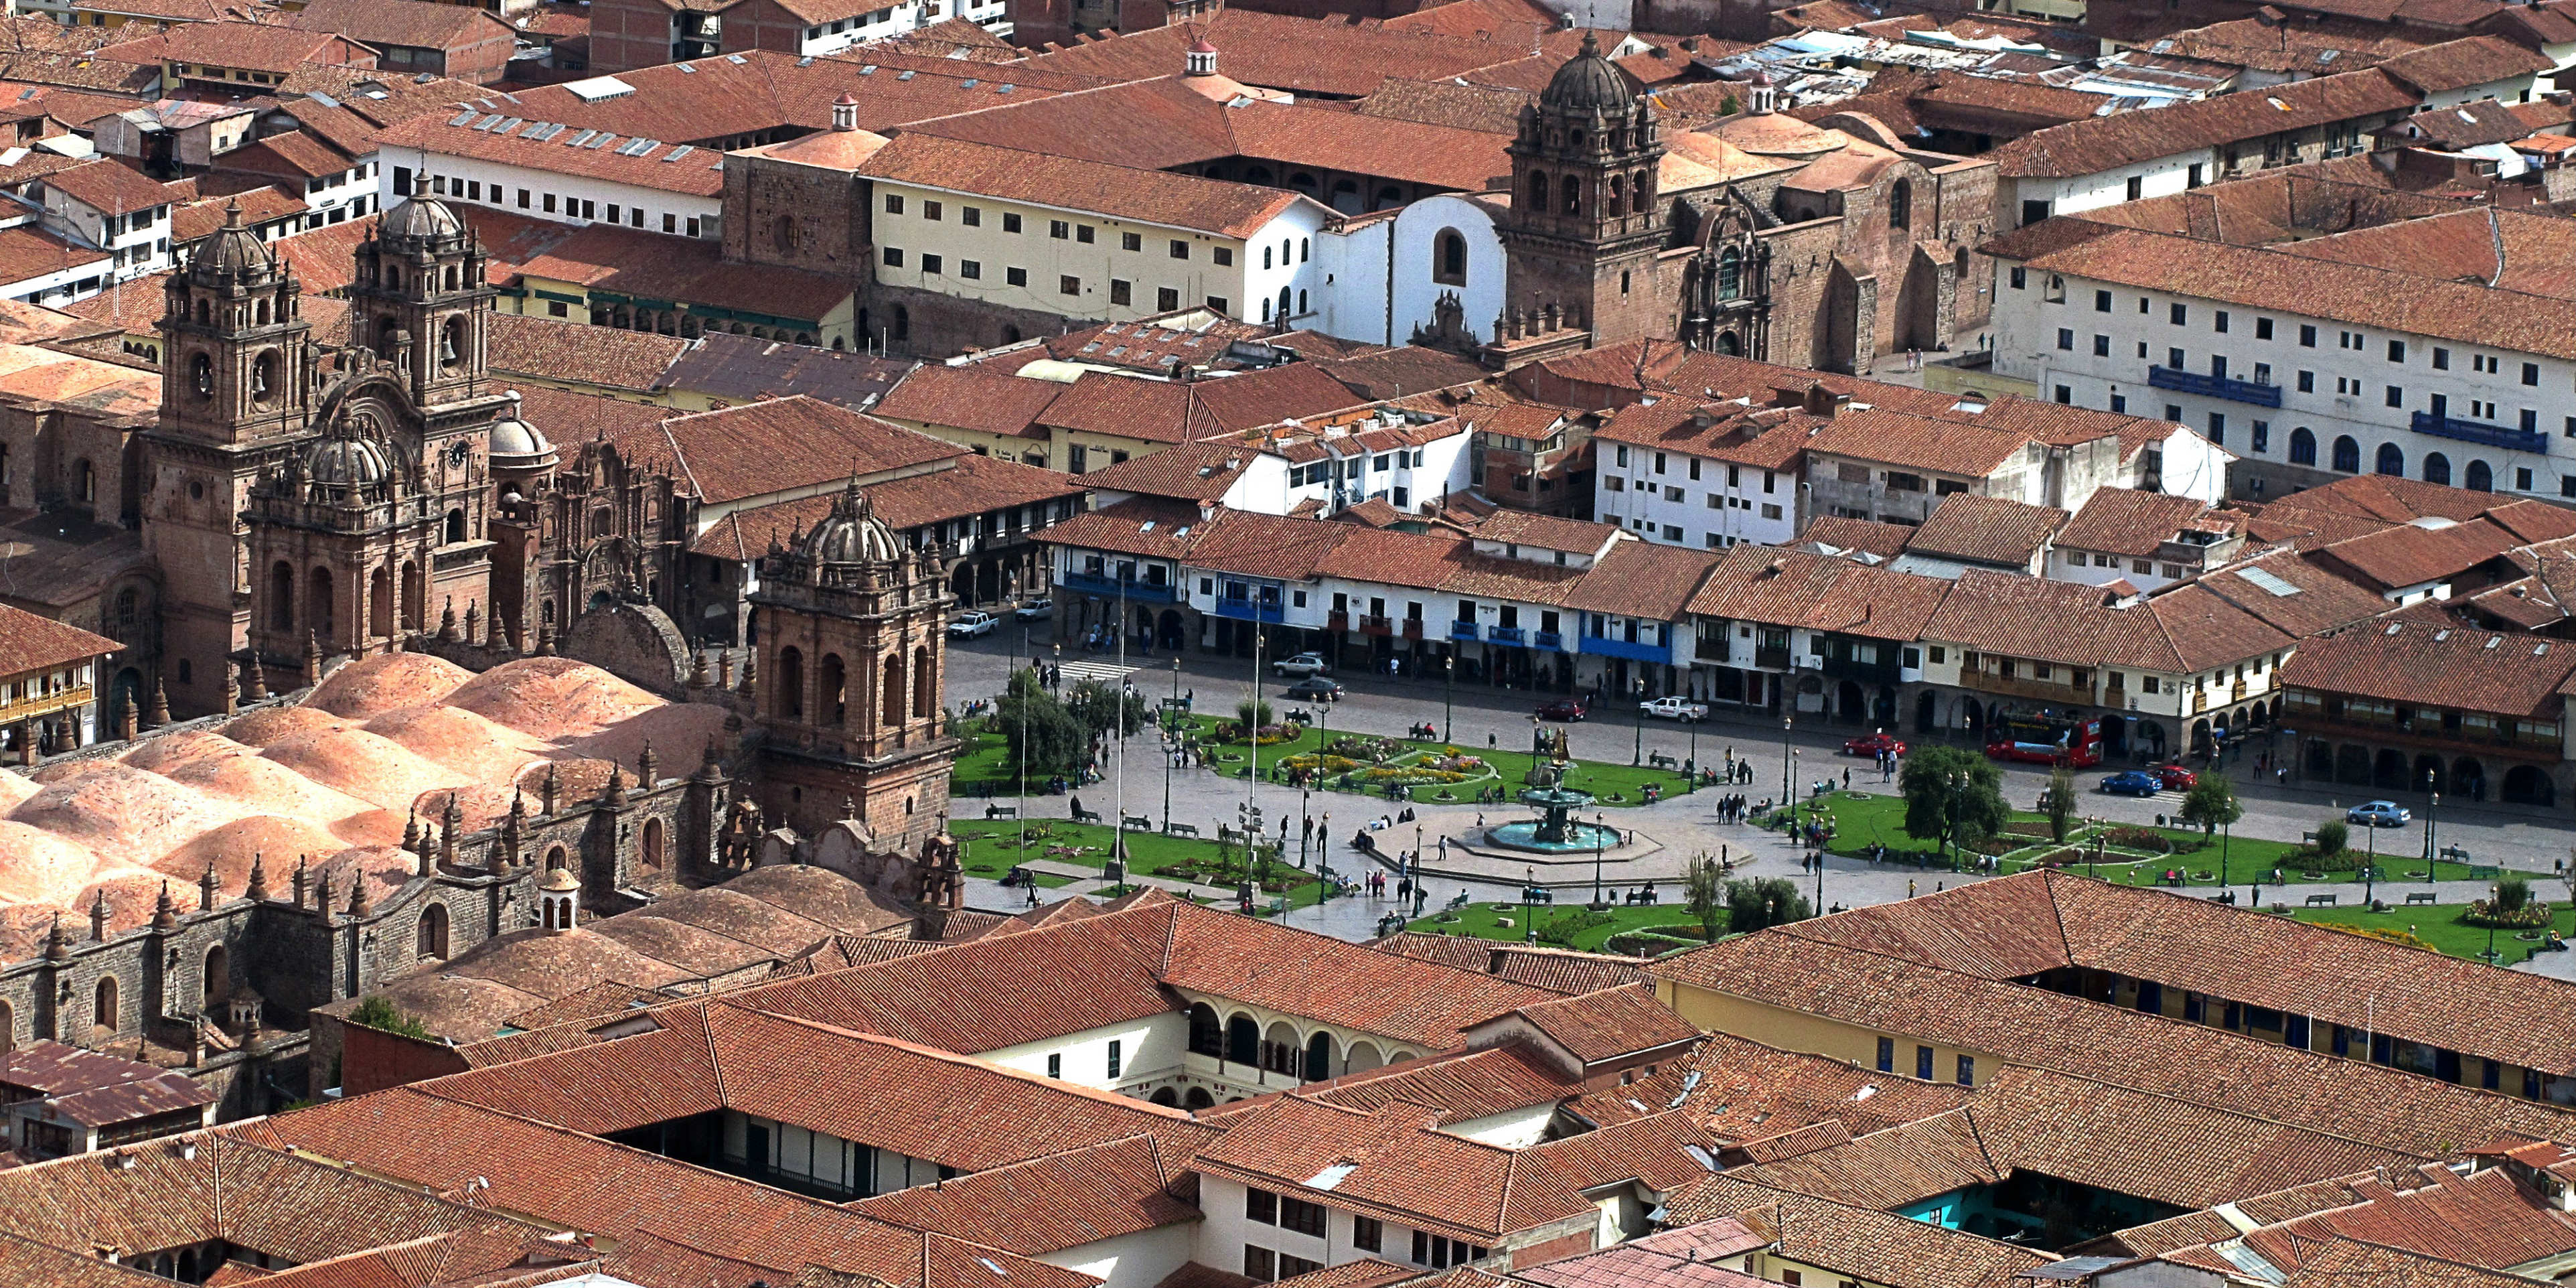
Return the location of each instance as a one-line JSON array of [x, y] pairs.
[[1900, 205], [263, 312], [1301, 300], [1618, 203], [1730, 274], [784, 233], [790, 704], [2437, 468], [833, 696], [263, 375], [1729, 345], [650, 852], [456, 525], [380, 604], [103, 1003], [2479, 478], [205, 315], [432, 934], [318, 608], [1283, 304], [386, 326], [1207, 1033], [1449, 258], [1243, 1040], [1319, 1056], [414, 596], [453, 343], [1538, 191], [129, 606], [2347, 454], [1305, 249], [281, 596], [924, 695], [1572, 192], [890, 690], [2303, 447], [215, 982], [2392, 460]]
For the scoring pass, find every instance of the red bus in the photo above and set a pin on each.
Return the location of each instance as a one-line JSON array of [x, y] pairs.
[[2046, 740]]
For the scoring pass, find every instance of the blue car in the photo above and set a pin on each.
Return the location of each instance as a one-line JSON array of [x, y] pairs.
[[2377, 814], [2133, 782]]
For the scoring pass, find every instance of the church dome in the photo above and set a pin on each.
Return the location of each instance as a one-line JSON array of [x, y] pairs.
[[853, 533], [343, 461], [1589, 82], [515, 442], [420, 219], [230, 252]]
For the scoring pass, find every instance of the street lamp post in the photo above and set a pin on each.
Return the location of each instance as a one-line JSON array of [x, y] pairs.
[[1118, 791], [1639, 757], [1252, 737], [2226, 830], [1785, 795], [2370, 872], [2432, 824], [1449, 696], [1598, 902], [1172, 722], [1690, 766]]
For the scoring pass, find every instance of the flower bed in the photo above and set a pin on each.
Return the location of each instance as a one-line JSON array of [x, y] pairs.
[[2530, 916], [2139, 838], [1362, 747]]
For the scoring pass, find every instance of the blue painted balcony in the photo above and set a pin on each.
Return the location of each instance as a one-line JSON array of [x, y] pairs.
[[1548, 639], [2244, 391], [1075, 583], [1603, 646], [2478, 431], [1462, 630], [1503, 634], [1248, 610]]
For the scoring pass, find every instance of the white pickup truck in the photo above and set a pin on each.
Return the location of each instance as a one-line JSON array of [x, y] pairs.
[[1674, 708]]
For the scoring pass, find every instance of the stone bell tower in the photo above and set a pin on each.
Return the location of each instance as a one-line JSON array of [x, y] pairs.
[[852, 627], [1586, 220]]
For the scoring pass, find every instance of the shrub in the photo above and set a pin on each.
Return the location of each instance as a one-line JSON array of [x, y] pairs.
[[2513, 894], [2332, 836], [377, 1012], [2138, 838]]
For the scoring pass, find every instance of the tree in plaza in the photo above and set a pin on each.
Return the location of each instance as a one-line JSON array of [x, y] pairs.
[[1768, 901], [2332, 836], [1952, 795], [2058, 802], [1041, 735], [1704, 893], [2211, 804], [1097, 707]]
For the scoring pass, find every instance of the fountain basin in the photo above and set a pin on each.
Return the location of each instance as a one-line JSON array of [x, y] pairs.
[[1527, 836]]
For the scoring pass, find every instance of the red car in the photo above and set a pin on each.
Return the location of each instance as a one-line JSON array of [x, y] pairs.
[[2175, 777], [1872, 745], [1566, 709]]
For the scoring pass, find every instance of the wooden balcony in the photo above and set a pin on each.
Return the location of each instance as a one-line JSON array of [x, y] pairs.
[[2023, 686]]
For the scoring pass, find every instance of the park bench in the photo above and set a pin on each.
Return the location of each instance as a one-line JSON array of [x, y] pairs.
[[1001, 811], [1661, 761], [1085, 816], [2456, 853], [2422, 896], [1136, 822], [1181, 829], [1228, 835], [2321, 901], [1460, 901]]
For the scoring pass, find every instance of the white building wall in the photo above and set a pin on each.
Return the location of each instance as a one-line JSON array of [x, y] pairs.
[[1694, 501], [559, 198], [2349, 376], [1139, 1260], [1415, 285], [1147, 1048], [2158, 177]]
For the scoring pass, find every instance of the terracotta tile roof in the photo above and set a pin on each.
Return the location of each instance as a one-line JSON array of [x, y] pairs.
[[1833, 533], [1392, 1164], [2102, 143], [1486, 108], [2460, 64], [2050, 621], [649, 266], [2294, 595], [415, 23], [970, 396], [762, 448], [259, 206], [2125, 521], [1770, 438], [969, 485], [614, 1191], [1201, 472], [2436, 666], [31, 643], [1175, 412], [550, 147], [1918, 442], [557, 349], [1643, 580], [1302, 55], [254, 46], [736, 368], [1986, 529], [1862, 1242], [1067, 1200], [1605, 1025], [1411, 151], [2208, 631], [112, 187], [2403, 556], [298, 155], [1333, 980], [1791, 587], [1064, 183], [1565, 969], [1547, 532], [1403, 372], [1465, 1086], [1367, 1272], [324, 259]]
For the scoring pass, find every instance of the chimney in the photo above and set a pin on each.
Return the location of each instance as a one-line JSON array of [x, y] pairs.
[[1820, 401], [845, 112]]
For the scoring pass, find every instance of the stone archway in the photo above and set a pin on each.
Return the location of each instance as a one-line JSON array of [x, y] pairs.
[[637, 643]]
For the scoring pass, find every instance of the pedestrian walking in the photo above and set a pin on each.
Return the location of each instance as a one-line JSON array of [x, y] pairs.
[[1909, 887], [1846, 778]]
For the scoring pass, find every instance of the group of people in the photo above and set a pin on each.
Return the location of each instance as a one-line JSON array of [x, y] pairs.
[[1732, 808]]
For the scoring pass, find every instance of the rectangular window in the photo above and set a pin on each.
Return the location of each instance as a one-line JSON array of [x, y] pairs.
[[1923, 1063], [1068, 284], [2531, 373], [2397, 351], [2177, 313], [1368, 1234], [2220, 322], [1010, 222], [931, 263], [1224, 256], [1180, 249], [2307, 336], [1166, 299], [2441, 358], [1116, 1050], [894, 203], [930, 210], [2101, 346], [970, 269], [2176, 359], [1967, 1070], [2065, 395], [1082, 233], [2262, 328], [1059, 229], [2102, 299], [2522, 479], [1221, 305], [550, 203], [1301, 1216], [2020, 279], [1055, 1065], [1015, 276], [2262, 440], [971, 216], [1422, 1244], [1291, 1266], [1261, 1206], [1260, 1265], [2120, 403], [2218, 428], [2066, 339], [1131, 241], [893, 257], [1887, 1055], [2396, 396], [2307, 382], [1118, 291]]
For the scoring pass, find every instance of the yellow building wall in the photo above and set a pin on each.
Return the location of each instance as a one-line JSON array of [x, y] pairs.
[[1814, 1034]]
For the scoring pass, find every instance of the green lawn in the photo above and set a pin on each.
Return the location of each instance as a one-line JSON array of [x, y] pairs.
[[1864, 818], [2439, 928], [1612, 785], [1563, 925], [994, 847]]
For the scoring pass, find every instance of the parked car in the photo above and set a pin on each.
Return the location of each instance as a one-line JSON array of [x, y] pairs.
[[1315, 688], [1036, 610], [1568, 710], [1302, 664], [2133, 782], [1674, 708], [2378, 814], [968, 625], [1872, 745], [2175, 777]]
